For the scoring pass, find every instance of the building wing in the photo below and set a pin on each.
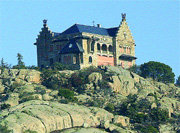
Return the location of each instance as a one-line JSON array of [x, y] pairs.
[[78, 28]]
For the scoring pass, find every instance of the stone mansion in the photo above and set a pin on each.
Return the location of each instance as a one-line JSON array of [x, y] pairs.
[[82, 46]]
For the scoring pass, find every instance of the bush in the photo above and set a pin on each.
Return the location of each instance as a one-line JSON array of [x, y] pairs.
[[5, 106], [68, 94], [159, 115], [4, 129], [157, 71], [149, 129], [58, 66], [29, 131], [109, 107], [27, 96]]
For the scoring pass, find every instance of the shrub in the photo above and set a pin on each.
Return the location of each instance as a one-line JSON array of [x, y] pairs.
[[140, 118], [27, 96], [159, 115], [29, 131], [109, 107], [149, 129], [5, 106], [68, 94], [40, 90], [4, 129], [58, 66]]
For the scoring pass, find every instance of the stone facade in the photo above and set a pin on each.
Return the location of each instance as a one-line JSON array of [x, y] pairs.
[[89, 45]]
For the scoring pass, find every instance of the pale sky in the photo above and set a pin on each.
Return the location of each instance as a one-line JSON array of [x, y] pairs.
[[155, 25]]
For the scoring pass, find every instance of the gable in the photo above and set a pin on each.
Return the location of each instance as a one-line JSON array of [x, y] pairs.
[[124, 33]]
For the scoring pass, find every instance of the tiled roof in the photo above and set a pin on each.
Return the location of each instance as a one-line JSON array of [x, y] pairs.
[[77, 28], [56, 33], [72, 47], [112, 31]]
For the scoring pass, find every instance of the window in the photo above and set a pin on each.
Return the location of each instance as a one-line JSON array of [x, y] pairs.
[[124, 49], [110, 49], [51, 61], [92, 45], [81, 56], [90, 59], [42, 66], [98, 47], [104, 48], [74, 59], [121, 50], [51, 48]]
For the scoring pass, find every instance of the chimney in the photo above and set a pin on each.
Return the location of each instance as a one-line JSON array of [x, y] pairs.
[[99, 25]]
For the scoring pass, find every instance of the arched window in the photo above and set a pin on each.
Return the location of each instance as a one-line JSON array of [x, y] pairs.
[[98, 47], [90, 59], [110, 49], [104, 48]]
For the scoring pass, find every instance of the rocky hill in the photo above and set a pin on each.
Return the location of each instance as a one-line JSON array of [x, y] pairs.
[[109, 99]]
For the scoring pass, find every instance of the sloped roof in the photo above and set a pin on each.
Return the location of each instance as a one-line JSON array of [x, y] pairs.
[[77, 28], [125, 56], [72, 47], [112, 31], [56, 33]]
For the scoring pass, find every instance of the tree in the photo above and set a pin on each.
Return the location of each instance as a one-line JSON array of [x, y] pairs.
[[20, 58], [20, 64], [157, 71], [178, 81], [3, 65], [135, 69]]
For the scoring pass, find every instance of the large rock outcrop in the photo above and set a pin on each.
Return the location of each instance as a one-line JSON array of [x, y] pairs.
[[8, 76], [45, 117]]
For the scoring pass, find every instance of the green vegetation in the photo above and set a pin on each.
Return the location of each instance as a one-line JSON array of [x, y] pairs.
[[110, 107], [29, 131], [4, 65], [20, 64], [4, 129], [140, 112], [68, 94], [58, 66], [178, 81], [157, 71], [135, 69], [148, 129], [5, 106]]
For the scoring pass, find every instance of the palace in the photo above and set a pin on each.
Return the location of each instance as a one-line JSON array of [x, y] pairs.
[[82, 46]]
